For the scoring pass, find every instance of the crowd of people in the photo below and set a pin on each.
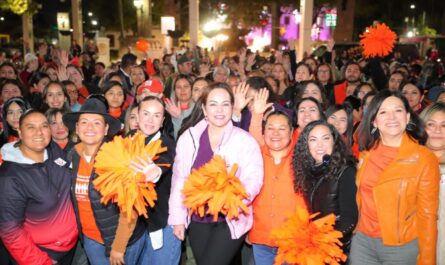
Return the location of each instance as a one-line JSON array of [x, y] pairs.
[[363, 139]]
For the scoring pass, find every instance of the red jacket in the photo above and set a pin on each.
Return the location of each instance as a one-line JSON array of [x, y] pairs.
[[340, 92]]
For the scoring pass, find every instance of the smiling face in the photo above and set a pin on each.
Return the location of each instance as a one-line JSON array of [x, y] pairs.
[[55, 98], [13, 115], [320, 142], [59, 131], [218, 108], [35, 134], [9, 91], [7, 72], [435, 128], [151, 117], [340, 120], [307, 111], [74, 75], [91, 128], [73, 93], [277, 133], [52, 73], [391, 118], [137, 76]]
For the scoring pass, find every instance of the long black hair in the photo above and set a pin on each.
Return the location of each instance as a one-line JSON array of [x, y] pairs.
[[349, 122], [303, 163], [367, 139], [7, 129]]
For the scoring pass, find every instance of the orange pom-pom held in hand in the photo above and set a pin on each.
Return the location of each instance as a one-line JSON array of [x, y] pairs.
[[142, 45], [213, 190], [120, 184], [304, 241], [377, 41]]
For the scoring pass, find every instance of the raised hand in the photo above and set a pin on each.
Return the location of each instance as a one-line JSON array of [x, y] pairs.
[[62, 75], [241, 100], [63, 57], [260, 104], [330, 44], [172, 108]]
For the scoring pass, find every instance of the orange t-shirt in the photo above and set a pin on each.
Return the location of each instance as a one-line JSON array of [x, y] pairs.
[[378, 161], [86, 216]]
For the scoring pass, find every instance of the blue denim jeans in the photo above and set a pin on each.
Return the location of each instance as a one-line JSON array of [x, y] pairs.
[[264, 255], [96, 252], [168, 254]]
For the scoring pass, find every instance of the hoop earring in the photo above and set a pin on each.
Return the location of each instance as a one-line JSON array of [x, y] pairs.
[[374, 130]]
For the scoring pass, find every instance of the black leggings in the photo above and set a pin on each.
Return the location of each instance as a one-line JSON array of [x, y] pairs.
[[212, 243]]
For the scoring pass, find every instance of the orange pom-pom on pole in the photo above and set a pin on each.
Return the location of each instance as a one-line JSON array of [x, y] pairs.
[[213, 190], [304, 241], [378, 41], [142, 45], [117, 182]]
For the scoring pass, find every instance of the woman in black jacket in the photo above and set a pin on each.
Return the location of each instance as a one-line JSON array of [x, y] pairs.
[[325, 171], [162, 246], [108, 237]]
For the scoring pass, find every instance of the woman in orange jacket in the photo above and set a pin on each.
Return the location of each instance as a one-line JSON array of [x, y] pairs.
[[277, 197], [397, 187]]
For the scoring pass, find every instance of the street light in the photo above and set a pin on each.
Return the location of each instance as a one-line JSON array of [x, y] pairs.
[[412, 6], [2, 18], [94, 22], [90, 14], [138, 3]]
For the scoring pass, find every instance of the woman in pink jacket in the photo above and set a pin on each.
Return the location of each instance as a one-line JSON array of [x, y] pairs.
[[215, 242]]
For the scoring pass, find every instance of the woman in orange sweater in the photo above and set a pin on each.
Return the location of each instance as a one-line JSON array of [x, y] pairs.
[[277, 197], [397, 187]]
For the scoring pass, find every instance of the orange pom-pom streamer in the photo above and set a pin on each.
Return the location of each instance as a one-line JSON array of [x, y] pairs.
[[212, 187], [117, 182], [142, 45], [377, 41], [304, 241]]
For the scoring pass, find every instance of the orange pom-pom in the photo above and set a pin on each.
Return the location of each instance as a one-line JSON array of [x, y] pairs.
[[117, 182], [377, 41], [142, 45], [302, 240], [211, 187]]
